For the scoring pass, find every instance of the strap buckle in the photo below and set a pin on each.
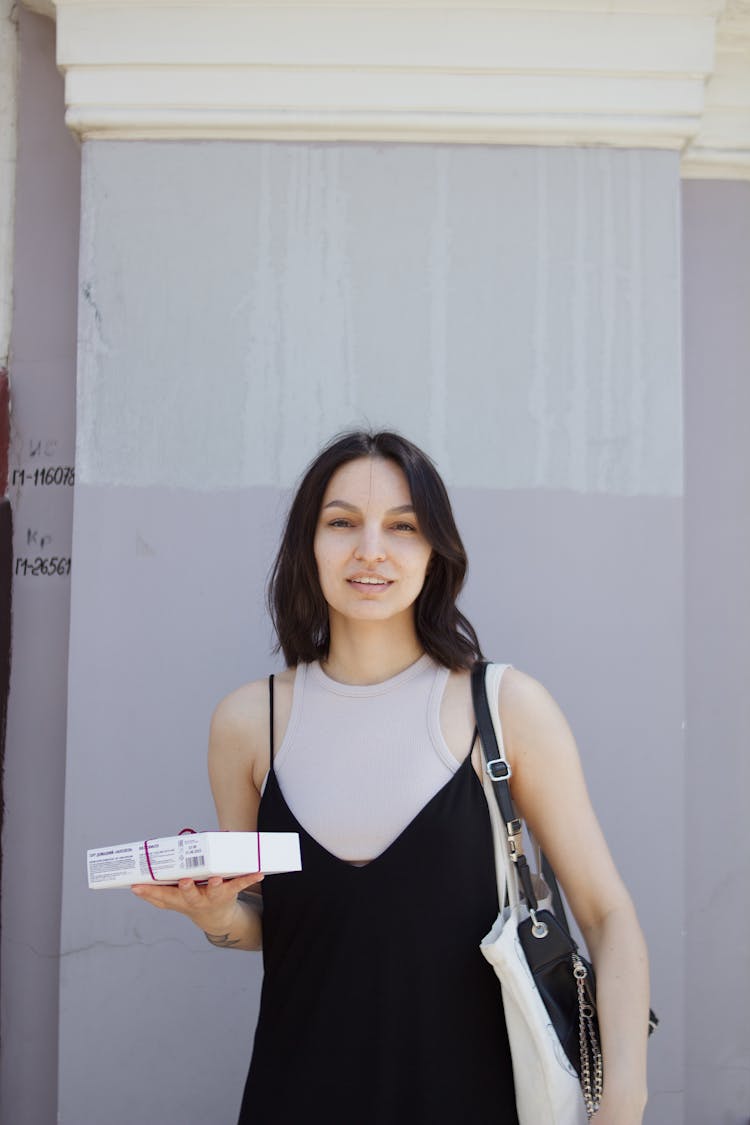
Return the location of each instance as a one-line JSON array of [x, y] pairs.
[[499, 769], [514, 828]]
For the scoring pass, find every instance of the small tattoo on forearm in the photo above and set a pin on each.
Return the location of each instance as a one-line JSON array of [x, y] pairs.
[[222, 940]]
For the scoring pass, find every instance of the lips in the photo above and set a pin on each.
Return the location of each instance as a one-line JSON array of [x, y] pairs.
[[369, 581]]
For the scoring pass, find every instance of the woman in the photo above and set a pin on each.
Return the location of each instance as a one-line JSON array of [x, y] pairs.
[[366, 745]]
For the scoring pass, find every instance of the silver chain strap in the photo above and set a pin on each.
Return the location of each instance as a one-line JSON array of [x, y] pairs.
[[592, 1074]]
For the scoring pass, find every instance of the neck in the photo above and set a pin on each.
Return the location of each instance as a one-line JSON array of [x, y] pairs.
[[368, 653]]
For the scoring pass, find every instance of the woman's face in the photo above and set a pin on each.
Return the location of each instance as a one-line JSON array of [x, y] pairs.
[[371, 555]]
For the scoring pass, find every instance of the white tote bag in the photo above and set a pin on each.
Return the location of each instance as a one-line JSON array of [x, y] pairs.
[[547, 1088]]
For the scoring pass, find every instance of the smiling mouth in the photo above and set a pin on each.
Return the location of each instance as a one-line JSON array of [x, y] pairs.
[[371, 583]]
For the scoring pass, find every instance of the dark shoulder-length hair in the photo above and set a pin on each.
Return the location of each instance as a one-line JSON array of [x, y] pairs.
[[295, 601]]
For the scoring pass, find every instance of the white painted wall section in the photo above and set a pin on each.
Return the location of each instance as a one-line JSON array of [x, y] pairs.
[[253, 312]]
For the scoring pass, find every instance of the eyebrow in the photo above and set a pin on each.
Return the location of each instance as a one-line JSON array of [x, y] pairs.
[[400, 510]]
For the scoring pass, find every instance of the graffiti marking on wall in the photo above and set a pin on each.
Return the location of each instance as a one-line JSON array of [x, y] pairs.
[[50, 475], [42, 567], [42, 490]]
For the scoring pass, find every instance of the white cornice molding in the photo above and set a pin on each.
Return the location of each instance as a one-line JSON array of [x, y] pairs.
[[721, 148], [634, 73]]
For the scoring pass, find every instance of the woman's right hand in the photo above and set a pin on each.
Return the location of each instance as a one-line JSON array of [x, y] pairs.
[[213, 907]]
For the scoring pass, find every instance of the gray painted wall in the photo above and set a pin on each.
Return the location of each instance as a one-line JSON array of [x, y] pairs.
[[515, 311], [42, 371], [717, 534], [348, 295]]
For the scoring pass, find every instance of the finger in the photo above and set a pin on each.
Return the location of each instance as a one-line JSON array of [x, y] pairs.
[[182, 897], [220, 891], [166, 898], [242, 882], [192, 896]]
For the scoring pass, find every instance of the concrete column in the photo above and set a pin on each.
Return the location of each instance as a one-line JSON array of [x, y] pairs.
[[515, 311]]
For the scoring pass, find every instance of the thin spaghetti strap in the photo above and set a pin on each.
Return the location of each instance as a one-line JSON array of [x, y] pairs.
[[270, 720], [474, 738]]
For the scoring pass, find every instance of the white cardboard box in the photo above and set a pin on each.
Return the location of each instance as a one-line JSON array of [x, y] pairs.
[[195, 855]]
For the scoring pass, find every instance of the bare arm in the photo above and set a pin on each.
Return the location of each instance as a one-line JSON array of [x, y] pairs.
[[237, 742], [551, 794]]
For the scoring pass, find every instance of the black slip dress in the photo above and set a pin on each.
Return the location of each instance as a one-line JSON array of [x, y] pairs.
[[377, 1006]]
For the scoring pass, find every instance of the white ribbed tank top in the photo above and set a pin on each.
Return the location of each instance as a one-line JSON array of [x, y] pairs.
[[359, 761]]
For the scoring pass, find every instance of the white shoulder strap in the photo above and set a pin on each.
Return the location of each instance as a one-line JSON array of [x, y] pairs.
[[493, 677]]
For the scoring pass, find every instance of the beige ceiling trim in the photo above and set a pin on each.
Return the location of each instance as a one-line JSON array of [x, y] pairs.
[[721, 148], [655, 74]]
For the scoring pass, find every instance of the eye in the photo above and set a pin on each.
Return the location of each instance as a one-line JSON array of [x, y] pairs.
[[403, 526], [340, 521]]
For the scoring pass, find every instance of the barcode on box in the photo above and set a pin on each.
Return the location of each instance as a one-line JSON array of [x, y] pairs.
[[194, 861]]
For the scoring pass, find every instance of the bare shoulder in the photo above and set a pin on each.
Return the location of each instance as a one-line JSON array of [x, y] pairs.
[[530, 716], [250, 703], [533, 722], [520, 693], [239, 714], [239, 736]]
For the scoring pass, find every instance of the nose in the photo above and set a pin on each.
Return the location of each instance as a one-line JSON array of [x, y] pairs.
[[370, 547]]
